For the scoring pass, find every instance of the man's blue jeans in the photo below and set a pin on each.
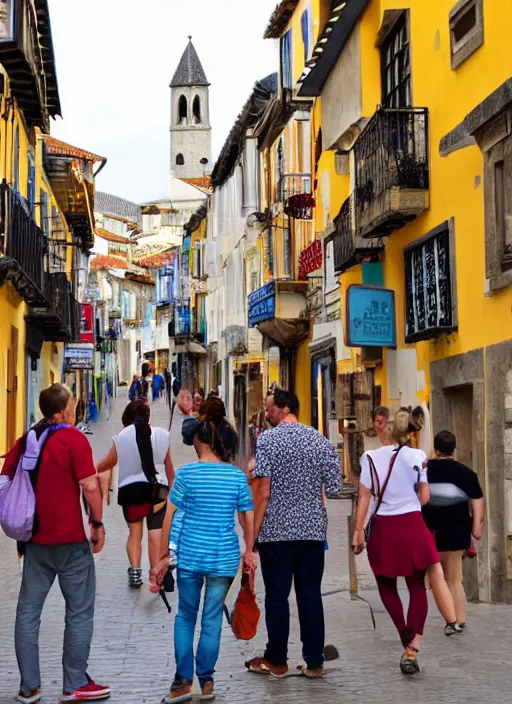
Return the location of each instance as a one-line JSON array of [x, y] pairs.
[[190, 586], [74, 566]]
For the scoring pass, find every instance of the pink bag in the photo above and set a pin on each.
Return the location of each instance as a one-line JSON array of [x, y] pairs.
[[18, 506]]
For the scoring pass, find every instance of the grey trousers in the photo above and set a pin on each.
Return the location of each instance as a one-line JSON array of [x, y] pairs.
[[74, 566]]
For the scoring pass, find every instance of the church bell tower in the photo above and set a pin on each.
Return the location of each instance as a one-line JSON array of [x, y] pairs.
[[191, 133]]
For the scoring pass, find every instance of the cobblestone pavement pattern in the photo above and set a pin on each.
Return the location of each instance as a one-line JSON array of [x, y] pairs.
[[133, 652]]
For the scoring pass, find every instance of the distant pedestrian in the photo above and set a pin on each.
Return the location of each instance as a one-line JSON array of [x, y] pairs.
[[185, 402], [380, 418], [454, 513], [293, 465], [59, 548], [210, 492], [135, 390], [143, 455], [399, 542], [198, 400]]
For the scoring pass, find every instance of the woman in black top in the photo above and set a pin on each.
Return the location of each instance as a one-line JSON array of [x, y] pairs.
[[454, 513]]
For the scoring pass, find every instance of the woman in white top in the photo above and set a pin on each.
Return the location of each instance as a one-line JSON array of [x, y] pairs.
[[399, 543], [143, 455]]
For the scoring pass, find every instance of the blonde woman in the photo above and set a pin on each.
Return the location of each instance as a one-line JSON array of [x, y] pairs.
[[399, 542]]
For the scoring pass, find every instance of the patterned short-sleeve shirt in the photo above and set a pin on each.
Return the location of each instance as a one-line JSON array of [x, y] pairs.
[[299, 461]]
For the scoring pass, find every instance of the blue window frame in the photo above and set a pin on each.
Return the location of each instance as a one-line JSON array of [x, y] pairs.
[[287, 60], [305, 22]]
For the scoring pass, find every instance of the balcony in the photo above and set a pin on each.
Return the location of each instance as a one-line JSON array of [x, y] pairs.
[[24, 247], [392, 174], [350, 248], [295, 191], [278, 310], [26, 53], [58, 317]]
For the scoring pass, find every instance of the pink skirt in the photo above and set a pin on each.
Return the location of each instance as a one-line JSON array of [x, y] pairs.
[[401, 546]]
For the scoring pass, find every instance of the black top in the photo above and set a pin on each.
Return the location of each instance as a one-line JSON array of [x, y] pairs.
[[452, 524]]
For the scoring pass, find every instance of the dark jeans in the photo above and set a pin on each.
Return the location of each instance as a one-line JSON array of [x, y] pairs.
[[74, 566], [302, 562]]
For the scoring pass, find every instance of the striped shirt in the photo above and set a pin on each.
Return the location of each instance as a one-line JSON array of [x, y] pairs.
[[209, 494]]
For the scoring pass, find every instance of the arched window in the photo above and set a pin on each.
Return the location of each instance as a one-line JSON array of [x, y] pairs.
[[180, 160], [196, 109], [182, 110]]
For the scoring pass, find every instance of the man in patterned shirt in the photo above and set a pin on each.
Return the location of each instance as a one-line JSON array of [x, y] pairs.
[[294, 463]]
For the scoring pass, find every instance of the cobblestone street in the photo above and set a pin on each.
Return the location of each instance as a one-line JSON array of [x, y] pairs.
[[133, 652]]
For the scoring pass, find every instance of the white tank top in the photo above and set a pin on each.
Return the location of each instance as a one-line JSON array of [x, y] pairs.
[[130, 466]]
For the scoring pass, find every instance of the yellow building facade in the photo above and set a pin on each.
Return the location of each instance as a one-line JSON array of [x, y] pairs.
[[42, 215], [412, 101]]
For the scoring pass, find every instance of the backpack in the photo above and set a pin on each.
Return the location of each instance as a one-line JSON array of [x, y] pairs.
[[17, 496], [246, 614]]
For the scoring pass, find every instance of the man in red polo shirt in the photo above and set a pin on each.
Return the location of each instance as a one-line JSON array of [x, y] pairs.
[[59, 548]]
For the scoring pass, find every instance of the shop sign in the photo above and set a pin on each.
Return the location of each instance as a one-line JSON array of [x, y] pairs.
[[262, 304], [79, 356], [371, 318]]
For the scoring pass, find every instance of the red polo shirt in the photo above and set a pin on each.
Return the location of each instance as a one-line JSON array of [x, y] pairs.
[[66, 460]]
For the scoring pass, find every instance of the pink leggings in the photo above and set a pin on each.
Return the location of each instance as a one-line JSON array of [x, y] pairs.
[[418, 605]]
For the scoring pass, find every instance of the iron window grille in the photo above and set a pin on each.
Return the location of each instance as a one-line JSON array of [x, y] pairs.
[[430, 293]]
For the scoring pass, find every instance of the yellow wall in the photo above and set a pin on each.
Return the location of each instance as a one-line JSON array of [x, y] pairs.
[[456, 181], [12, 313], [12, 308]]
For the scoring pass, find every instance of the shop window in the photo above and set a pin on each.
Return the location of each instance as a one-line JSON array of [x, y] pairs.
[[182, 110], [430, 289], [396, 66], [180, 160], [287, 60], [196, 109], [466, 30]]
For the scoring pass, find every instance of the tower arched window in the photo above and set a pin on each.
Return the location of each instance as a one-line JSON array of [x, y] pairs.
[[182, 110], [196, 109], [180, 160]]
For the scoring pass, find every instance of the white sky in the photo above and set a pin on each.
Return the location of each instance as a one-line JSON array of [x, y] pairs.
[[115, 60]]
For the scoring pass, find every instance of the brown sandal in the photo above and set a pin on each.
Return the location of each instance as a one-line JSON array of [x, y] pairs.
[[262, 667], [312, 674]]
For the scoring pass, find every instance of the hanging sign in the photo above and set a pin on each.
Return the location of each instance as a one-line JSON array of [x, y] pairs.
[[370, 317], [79, 356], [262, 304]]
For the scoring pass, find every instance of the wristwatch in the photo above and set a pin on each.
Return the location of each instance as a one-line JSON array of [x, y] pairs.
[[96, 524]]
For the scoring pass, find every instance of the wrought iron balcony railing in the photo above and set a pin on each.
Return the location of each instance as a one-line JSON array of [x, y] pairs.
[[349, 248], [294, 185], [24, 242], [392, 172]]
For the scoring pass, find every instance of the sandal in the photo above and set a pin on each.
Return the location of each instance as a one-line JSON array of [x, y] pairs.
[[262, 667], [315, 674]]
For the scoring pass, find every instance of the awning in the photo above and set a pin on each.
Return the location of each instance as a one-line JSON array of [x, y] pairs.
[[196, 348]]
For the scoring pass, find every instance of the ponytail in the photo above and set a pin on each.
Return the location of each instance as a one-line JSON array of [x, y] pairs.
[[145, 447]]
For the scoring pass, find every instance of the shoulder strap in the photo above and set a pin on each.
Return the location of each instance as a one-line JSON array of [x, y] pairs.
[[375, 488], [385, 485]]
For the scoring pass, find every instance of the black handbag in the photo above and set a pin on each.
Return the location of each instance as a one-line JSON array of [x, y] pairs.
[[139, 493], [377, 492]]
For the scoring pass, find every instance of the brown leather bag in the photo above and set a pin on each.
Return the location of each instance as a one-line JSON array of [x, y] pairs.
[[246, 614]]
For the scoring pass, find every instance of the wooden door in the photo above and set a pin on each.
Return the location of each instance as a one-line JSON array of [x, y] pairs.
[[12, 387], [459, 416]]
